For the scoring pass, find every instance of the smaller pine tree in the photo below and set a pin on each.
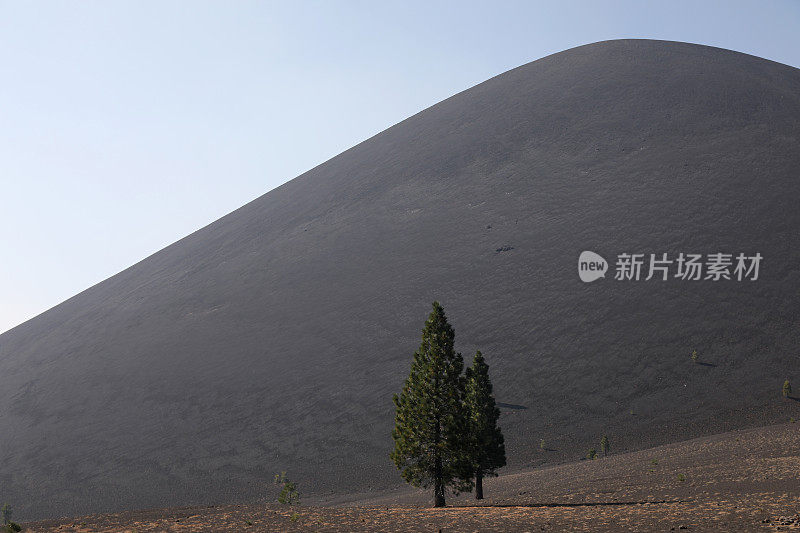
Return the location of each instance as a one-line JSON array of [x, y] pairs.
[[694, 356], [542, 445], [487, 448], [787, 388], [592, 454], [8, 525], [604, 446]]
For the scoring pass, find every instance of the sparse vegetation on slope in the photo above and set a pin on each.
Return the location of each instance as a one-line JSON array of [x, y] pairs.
[[749, 483]]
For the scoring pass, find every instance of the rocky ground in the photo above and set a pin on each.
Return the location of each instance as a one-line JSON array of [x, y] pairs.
[[739, 481]]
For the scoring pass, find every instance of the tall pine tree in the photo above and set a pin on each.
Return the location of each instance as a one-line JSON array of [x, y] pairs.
[[430, 421], [487, 448]]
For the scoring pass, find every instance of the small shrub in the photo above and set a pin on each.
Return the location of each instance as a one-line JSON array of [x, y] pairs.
[[787, 388], [592, 454], [654, 462], [289, 494], [295, 517], [248, 522], [694, 356], [791, 420], [12, 527], [681, 478], [542, 445]]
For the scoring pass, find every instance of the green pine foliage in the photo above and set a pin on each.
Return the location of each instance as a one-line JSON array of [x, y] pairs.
[[487, 448], [787, 388], [430, 448], [289, 494]]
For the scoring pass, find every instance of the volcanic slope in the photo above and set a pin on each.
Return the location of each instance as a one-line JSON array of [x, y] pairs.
[[274, 338]]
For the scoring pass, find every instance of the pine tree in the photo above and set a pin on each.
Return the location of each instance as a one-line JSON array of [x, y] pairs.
[[430, 422], [604, 445], [487, 448], [787, 389]]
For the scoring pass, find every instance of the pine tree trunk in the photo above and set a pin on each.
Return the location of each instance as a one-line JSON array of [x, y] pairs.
[[438, 496], [438, 486], [438, 483], [479, 485]]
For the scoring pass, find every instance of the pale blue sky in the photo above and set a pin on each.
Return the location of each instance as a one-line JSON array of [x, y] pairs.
[[125, 126]]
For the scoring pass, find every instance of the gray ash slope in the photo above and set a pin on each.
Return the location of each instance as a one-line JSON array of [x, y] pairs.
[[274, 338]]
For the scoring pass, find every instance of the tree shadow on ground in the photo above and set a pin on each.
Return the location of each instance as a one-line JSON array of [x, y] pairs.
[[514, 406], [565, 504]]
